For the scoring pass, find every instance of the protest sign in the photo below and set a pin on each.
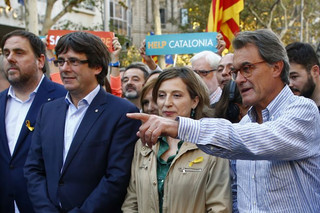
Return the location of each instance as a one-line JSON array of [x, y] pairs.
[[54, 36], [181, 43]]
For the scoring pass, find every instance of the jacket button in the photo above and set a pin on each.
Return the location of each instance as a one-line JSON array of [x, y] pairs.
[[154, 183], [61, 183], [11, 166]]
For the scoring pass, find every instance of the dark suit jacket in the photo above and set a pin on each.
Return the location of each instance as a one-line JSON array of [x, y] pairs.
[[12, 182], [96, 172]]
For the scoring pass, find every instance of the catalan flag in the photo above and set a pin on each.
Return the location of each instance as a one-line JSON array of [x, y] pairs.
[[224, 17]]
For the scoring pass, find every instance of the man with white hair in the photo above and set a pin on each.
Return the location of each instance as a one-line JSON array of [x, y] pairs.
[[205, 64]]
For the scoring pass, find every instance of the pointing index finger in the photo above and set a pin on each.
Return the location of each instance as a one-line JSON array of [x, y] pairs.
[[139, 116]]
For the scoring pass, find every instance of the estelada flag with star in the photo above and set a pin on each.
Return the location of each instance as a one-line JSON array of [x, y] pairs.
[[224, 17]]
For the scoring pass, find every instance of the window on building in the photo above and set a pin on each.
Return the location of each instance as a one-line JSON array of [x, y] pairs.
[[163, 17], [184, 16], [119, 19]]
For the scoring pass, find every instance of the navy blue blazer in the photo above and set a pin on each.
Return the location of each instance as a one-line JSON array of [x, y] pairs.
[[96, 173], [13, 184]]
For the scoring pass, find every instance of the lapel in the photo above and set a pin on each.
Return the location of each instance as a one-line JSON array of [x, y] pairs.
[[94, 111], [59, 126], [3, 135], [42, 96]]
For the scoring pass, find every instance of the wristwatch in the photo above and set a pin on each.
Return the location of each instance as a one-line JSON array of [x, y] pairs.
[[116, 64]]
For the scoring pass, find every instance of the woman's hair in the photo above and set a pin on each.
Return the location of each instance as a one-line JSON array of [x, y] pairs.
[[146, 88], [227, 106], [194, 85], [153, 73]]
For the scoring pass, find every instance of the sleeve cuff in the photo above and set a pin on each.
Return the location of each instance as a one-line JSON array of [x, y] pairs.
[[157, 69]]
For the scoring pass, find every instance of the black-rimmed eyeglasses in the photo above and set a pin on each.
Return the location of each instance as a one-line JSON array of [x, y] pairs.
[[203, 72], [73, 61]]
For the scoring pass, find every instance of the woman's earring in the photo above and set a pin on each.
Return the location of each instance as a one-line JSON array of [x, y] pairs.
[[193, 113]]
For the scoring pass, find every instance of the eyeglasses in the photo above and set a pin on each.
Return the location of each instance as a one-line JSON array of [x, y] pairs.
[[245, 70], [203, 72], [73, 61]]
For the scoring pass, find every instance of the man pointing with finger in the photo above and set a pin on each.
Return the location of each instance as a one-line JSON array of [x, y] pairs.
[[277, 144]]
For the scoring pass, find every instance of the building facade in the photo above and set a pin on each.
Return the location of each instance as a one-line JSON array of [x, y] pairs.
[[130, 18]]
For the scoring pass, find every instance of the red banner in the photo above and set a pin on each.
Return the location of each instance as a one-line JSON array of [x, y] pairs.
[[54, 36]]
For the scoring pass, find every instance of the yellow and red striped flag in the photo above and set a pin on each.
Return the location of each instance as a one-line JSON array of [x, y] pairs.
[[224, 17]]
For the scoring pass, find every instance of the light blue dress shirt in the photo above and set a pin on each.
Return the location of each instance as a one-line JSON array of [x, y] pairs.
[[278, 166], [74, 118]]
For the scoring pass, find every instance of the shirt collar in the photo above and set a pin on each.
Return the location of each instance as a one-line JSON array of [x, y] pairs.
[[215, 96], [274, 105], [86, 100], [12, 94]]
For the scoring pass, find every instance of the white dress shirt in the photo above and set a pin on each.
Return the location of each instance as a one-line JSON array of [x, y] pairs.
[[74, 117], [16, 112]]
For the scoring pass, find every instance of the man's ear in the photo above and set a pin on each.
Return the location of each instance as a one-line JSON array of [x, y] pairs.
[[277, 68], [97, 70], [315, 71], [41, 61]]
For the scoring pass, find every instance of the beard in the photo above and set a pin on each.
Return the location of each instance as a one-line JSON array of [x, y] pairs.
[[308, 88], [131, 95], [21, 78]]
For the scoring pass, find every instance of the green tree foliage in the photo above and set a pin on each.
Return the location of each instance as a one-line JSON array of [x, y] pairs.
[[198, 12], [282, 16]]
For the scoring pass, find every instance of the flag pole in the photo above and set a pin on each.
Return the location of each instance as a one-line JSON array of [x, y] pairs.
[[175, 60]]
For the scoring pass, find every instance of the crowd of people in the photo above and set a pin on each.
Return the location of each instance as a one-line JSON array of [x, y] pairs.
[[229, 133]]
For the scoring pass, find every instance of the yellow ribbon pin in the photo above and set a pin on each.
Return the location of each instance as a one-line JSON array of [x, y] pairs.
[[29, 126], [197, 160]]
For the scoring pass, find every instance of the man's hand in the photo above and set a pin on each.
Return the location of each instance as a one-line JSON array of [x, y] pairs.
[[154, 126], [148, 58], [116, 49], [221, 44]]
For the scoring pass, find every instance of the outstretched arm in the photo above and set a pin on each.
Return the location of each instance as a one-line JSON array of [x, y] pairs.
[[154, 126]]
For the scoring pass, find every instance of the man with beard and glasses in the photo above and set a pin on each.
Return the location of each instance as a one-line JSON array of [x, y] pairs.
[[133, 80], [304, 74], [23, 63]]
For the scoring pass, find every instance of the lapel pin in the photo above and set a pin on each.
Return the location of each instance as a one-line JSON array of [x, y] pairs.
[[96, 110], [49, 99], [29, 125]]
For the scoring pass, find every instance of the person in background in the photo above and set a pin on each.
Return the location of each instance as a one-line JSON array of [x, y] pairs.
[[205, 64], [4, 83], [115, 79], [133, 80], [230, 107], [81, 152], [146, 101], [175, 175], [224, 70], [277, 144], [153, 75], [24, 56], [304, 74], [148, 58]]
